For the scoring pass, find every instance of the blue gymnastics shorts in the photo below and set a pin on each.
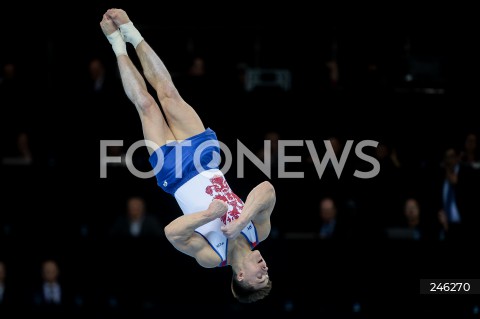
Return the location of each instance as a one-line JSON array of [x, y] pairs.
[[198, 153]]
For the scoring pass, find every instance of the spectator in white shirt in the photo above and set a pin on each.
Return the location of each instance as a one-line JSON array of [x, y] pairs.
[[136, 223], [52, 292]]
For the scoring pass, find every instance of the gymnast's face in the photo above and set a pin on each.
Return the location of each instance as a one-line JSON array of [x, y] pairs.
[[254, 271]]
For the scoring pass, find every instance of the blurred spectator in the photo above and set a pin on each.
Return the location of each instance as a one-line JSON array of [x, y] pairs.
[[15, 104], [9, 296], [333, 73], [137, 222], [100, 90], [331, 226], [411, 226], [387, 155], [374, 80], [8, 73], [443, 221], [99, 80], [2, 283], [195, 82], [97, 74], [470, 154], [111, 152], [197, 67], [22, 154], [9, 81], [3, 295], [333, 184], [411, 212], [389, 183], [52, 297], [329, 183], [457, 196], [328, 221], [51, 291], [337, 146]]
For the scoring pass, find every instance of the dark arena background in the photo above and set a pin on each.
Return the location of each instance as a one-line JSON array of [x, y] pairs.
[[403, 77]]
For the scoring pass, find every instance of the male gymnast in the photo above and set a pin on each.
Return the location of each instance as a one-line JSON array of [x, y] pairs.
[[217, 228]]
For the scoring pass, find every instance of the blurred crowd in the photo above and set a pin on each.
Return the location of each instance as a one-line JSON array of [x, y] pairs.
[[56, 208]]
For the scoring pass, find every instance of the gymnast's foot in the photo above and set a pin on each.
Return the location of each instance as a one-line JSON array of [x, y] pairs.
[[118, 16], [129, 31], [107, 25], [113, 35]]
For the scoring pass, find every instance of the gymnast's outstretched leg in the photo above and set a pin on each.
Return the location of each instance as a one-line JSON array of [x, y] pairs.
[[154, 126], [182, 119]]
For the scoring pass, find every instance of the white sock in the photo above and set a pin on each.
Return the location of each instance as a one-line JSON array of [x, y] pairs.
[[118, 44], [131, 34]]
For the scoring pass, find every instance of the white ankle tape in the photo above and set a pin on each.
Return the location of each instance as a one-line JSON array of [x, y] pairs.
[[118, 44], [131, 34]]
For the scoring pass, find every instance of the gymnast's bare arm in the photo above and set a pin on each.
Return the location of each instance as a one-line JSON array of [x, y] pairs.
[[258, 208], [181, 234]]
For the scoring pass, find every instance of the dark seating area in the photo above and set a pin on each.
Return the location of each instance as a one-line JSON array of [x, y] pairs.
[[341, 246]]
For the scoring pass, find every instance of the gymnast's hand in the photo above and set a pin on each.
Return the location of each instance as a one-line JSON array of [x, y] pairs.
[[234, 228]]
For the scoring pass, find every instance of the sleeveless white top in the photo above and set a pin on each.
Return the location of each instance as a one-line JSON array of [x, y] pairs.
[[197, 194]]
